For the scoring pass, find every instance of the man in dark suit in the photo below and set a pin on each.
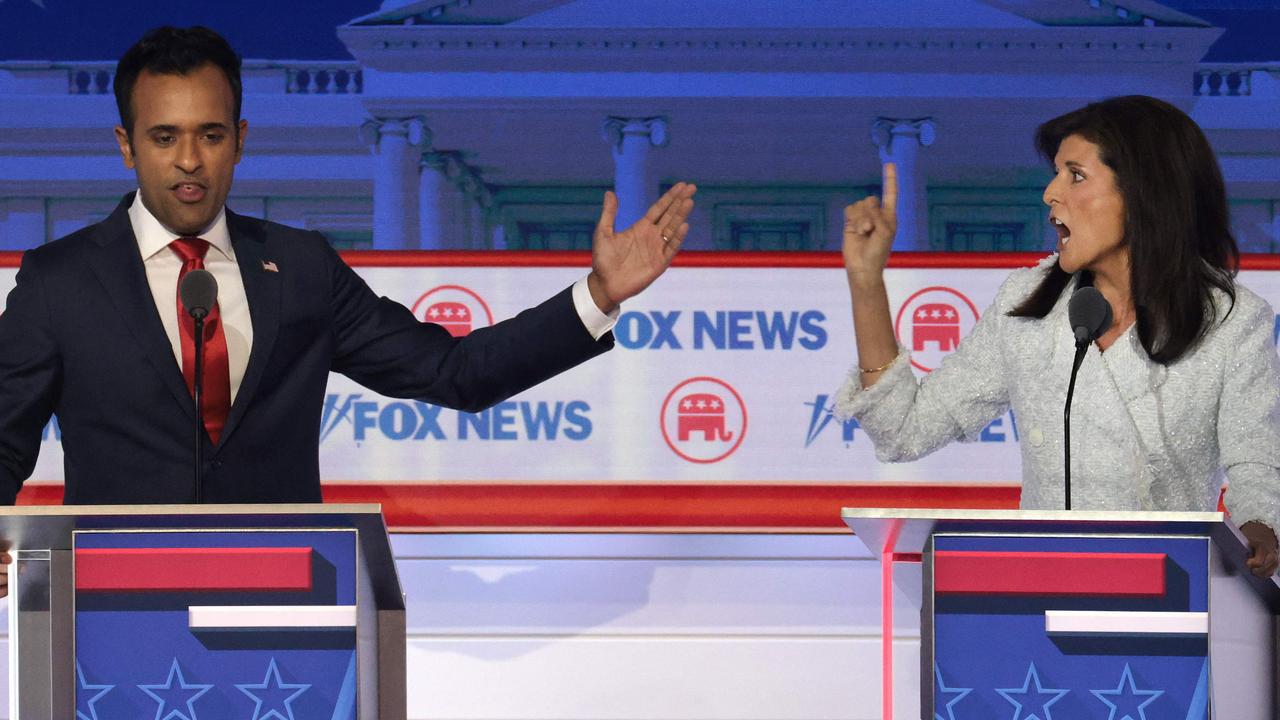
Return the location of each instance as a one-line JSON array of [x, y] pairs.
[[94, 333]]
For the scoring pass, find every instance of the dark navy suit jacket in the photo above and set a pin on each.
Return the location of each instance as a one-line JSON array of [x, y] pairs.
[[80, 338]]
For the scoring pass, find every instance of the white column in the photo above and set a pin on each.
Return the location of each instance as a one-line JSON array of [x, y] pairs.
[[454, 201], [23, 225], [434, 198], [478, 200], [397, 146], [635, 179], [900, 142]]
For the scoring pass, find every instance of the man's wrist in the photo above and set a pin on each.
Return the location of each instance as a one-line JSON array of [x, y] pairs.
[[598, 296], [596, 322]]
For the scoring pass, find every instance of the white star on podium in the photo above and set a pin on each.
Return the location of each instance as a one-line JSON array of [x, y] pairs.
[[182, 694], [1040, 706], [273, 692], [1126, 696]]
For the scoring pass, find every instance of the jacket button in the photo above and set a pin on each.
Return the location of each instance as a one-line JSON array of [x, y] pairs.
[[1035, 437]]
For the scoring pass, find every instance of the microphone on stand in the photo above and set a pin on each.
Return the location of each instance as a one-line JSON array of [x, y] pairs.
[[1090, 316], [198, 291]]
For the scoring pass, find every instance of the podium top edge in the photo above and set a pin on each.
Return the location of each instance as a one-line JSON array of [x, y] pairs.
[[27, 528], [1124, 516], [235, 509]]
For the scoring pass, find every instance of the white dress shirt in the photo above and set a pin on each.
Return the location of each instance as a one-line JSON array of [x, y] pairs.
[[162, 266]]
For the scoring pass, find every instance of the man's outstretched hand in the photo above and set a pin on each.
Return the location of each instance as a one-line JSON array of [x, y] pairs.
[[624, 263]]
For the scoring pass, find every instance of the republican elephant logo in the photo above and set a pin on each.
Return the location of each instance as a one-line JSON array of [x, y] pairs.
[[457, 309], [702, 413], [935, 323], [450, 315], [704, 420], [932, 322]]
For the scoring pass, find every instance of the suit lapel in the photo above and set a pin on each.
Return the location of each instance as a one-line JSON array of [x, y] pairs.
[[262, 291], [118, 266], [1136, 376]]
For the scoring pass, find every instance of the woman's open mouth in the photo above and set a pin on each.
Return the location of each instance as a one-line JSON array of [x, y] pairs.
[[1064, 232]]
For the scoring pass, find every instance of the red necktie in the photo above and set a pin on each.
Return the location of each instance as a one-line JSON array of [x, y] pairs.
[[217, 379]]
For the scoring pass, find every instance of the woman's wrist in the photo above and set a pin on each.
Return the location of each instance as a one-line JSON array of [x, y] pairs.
[[866, 279]]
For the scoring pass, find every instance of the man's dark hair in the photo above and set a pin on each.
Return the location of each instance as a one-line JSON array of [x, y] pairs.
[[1176, 222], [174, 51]]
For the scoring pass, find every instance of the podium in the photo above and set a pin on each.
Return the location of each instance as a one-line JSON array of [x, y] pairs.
[[1078, 613], [203, 611]]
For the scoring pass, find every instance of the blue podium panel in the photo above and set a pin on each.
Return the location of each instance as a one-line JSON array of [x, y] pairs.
[[1070, 627], [192, 625]]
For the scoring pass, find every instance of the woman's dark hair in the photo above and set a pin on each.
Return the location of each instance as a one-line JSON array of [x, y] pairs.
[[1176, 222], [174, 51]]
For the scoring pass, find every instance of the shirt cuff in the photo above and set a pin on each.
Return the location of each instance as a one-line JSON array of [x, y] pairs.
[[596, 322]]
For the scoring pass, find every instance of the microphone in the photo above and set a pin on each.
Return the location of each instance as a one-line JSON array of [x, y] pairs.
[[199, 292], [1089, 313], [1090, 317]]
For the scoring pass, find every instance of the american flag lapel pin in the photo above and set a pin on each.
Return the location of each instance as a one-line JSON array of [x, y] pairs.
[[270, 266]]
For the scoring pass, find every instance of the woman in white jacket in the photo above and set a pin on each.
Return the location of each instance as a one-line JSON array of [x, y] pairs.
[[1183, 387]]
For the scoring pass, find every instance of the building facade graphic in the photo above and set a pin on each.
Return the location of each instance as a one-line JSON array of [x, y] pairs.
[[498, 124]]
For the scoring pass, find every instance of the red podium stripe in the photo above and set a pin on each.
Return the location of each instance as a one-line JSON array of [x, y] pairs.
[[1049, 573], [193, 569]]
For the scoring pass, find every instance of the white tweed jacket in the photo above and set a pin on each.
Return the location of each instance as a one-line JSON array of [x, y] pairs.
[[1143, 436]]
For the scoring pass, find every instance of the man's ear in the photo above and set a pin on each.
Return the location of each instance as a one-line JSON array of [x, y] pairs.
[[241, 128], [126, 146]]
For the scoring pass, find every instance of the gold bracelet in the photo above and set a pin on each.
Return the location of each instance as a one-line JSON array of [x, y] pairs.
[[882, 368]]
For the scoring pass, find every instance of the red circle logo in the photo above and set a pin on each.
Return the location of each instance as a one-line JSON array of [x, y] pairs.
[[931, 324], [703, 420], [454, 308]]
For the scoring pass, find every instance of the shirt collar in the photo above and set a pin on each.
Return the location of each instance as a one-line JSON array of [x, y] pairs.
[[153, 236]]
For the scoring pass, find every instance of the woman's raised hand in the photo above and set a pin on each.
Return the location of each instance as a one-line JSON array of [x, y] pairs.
[[869, 227]]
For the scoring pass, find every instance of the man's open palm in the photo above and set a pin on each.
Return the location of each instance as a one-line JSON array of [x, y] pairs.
[[624, 263]]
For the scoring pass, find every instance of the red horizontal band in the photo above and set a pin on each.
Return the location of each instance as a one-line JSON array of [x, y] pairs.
[[775, 507], [193, 569], [691, 258], [1049, 573], [720, 259], [687, 259]]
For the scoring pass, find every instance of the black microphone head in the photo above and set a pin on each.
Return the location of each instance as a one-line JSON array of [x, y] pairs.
[[1090, 314], [198, 291]]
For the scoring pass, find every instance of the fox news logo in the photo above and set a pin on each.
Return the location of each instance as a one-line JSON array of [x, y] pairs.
[[932, 322], [721, 330], [454, 308], [355, 418], [704, 420]]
